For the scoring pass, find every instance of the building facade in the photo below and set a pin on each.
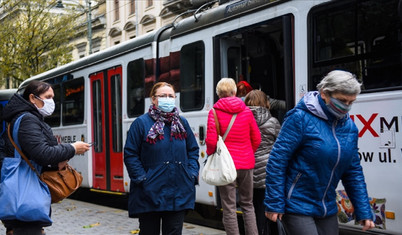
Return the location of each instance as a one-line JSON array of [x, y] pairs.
[[90, 34], [131, 18]]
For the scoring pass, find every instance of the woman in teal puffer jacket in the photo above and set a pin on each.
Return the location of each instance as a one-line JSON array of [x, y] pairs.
[[316, 148]]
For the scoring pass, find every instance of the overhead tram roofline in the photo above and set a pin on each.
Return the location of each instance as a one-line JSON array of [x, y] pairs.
[[224, 12], [221, 13], [101, 56], [5, 94]]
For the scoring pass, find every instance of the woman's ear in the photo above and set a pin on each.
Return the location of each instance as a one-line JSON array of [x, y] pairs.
[[32, 98], [324, 97], [154, 100]]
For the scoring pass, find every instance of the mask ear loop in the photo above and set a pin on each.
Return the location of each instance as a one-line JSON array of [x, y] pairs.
[[37, 97]]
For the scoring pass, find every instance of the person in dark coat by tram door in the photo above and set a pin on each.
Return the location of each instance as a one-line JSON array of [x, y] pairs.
[[315, 149], [161, 157], [36, 140], [269, 126]]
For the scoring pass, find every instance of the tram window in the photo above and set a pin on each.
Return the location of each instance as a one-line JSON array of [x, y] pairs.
[[116, 112], [135, 88], [334, 43], [54, 119], [169, 68], [360, 37], [73, 102], [192, 78], [97, 115]]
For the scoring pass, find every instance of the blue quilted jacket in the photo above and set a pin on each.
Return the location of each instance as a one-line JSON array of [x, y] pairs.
[[313, 152]]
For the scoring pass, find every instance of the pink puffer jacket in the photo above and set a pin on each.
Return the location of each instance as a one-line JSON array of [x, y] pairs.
[[244, 137]]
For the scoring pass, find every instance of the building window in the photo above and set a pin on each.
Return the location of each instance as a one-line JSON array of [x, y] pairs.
[[132, 7], [96, 44], [150, 3], [116, 10], [81, 49]]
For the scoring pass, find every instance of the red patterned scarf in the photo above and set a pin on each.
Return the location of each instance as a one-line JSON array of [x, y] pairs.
[[161, 118]]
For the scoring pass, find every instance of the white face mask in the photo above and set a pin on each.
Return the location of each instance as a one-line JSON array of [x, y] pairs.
[[48, 107]]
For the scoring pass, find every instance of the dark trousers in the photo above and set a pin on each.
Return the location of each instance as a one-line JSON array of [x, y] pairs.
[[259, 208], [16, 227], [172, 222], [302, 224], [27, 231]]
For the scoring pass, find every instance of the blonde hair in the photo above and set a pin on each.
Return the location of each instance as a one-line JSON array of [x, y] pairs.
[[257, 98], [226, 87]]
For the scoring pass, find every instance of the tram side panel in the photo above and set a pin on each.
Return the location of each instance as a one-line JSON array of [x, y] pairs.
[[378, 118]]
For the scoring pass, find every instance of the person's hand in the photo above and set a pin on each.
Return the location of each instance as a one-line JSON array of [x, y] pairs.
[[81, 147], [62, 164], [367, 224], [273, 216]]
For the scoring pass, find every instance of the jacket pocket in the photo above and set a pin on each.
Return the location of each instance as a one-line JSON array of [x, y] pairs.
[[186, 183], [154, 174], [154, 186], [294, 184]]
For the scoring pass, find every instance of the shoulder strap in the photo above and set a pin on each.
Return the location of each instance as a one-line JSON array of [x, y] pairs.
[[229, 127], [17, 125], [218, 130]]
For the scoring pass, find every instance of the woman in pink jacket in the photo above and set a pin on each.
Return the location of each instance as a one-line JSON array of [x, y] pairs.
[[242, 141]]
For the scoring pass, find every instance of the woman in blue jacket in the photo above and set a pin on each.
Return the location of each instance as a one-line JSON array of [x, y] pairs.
[[316, 148], [161, 157]]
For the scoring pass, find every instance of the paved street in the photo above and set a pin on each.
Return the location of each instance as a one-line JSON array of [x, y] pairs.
[[76, 217]]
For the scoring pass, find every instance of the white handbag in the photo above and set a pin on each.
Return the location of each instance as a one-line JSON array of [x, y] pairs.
[[220, 169]]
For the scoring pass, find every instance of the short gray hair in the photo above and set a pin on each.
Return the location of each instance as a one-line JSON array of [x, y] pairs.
[[338, 81], [226, 87]]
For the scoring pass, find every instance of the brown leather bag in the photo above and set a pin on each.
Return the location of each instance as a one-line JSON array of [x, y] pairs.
[[61, 183]]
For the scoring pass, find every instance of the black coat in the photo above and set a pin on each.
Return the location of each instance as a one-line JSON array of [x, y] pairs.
[[35, 136], [36, 140]]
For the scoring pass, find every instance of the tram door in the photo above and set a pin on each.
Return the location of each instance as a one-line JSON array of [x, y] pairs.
[[106, 112], [262, 55]]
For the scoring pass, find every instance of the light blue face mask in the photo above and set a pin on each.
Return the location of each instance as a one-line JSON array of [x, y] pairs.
[[166, 104]]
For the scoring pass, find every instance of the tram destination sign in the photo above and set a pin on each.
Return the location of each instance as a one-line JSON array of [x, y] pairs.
[[245, 5]]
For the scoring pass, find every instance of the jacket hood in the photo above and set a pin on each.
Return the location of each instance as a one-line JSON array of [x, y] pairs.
[[230, 105], [261, 114], [17, 105], [313, 103]]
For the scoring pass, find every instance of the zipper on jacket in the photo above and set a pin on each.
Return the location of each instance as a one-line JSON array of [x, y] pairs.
[[294, 184], [333, 169]]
